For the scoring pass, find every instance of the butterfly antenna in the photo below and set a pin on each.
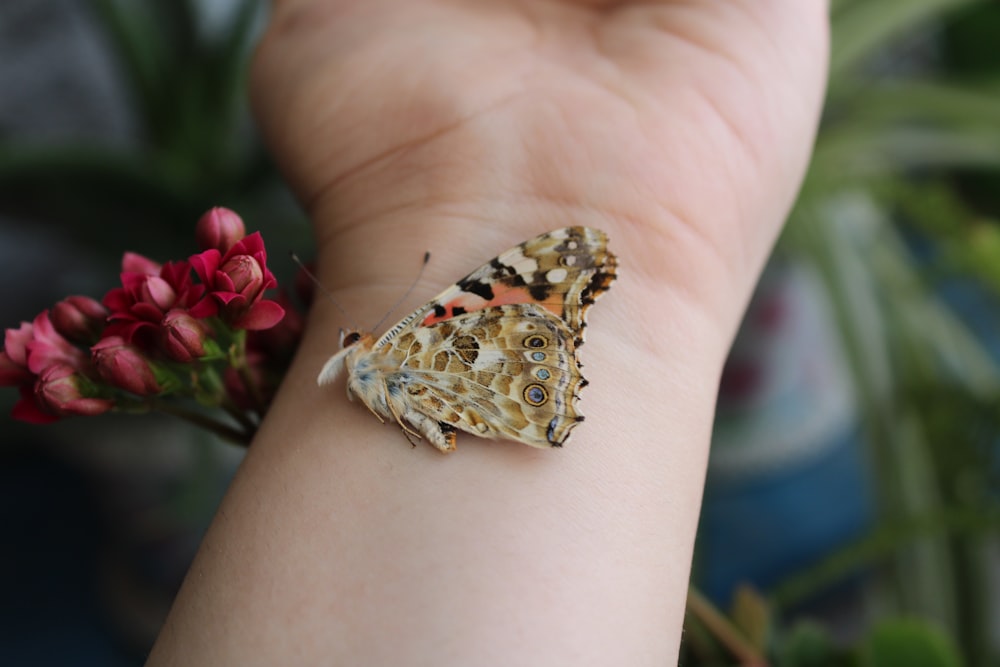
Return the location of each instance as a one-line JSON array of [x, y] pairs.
[[324, 290], [427, 258]]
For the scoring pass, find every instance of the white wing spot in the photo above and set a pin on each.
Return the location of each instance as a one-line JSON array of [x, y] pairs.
[[556, 275], [569, 260], [520, 263], [572, 245]]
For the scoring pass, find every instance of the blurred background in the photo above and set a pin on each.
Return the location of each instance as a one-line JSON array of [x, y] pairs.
[[852, 513]]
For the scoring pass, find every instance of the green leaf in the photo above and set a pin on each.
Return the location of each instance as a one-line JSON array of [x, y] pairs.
[[938, 102], [212, 352], [909, 642], [752, 615], [140, 48], [808, 645], [869, 150], [860, 28], [209, 389], [168, 380]]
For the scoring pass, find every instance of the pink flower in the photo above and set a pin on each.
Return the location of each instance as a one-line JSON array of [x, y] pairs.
[[124, 366], [61, 391], [14, 358], [29, 360], [147, 293], [14, 372], [79, 318], [133, 262], [183, 336], [47, 347], [219, 228], [11, 374], [278, 343], [236, 283], [28, 410]]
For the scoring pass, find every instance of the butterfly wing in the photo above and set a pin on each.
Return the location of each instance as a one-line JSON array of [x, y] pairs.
[[507, 371], [495, 354], [563, 271]]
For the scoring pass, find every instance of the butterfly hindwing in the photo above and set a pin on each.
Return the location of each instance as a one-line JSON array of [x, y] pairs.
[[501, 372]]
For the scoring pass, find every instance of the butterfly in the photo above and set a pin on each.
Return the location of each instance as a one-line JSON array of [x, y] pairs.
[[494, 355]]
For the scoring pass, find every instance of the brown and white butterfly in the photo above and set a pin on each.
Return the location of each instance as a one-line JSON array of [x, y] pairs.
[[495, 354]]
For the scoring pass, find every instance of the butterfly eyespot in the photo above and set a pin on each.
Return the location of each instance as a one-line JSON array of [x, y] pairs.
[[543, 374], [350, 339], [535, 341], [538, 356], [535, 395]]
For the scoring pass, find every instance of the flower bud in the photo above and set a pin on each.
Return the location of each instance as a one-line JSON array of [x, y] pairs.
[[60, 390], [124, 366], [183, 336], [235, 284], [246, 275], [219, 228], [157, 292], [79, 318]]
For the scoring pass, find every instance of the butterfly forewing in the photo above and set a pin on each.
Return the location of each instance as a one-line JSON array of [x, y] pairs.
[[564, 271]]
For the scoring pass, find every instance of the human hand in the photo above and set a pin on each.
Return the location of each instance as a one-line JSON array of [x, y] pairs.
[[682, 129]]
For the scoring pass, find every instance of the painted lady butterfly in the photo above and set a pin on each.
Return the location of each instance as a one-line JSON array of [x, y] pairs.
[[495, 354]]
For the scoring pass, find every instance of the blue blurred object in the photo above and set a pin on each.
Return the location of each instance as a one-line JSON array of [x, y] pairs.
[[787, 480], [763, 527]]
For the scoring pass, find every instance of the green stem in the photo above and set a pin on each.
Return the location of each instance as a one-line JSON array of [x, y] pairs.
[[723, 630], [252, 390], [239, 362], [224, 431], [240, 415]]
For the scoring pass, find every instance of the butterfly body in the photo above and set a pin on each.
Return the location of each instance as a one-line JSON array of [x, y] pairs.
[[494, 355]]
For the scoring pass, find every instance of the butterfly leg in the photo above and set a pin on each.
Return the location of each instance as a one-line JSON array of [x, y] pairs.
[[407, 431], [409, 438], [377, 415]]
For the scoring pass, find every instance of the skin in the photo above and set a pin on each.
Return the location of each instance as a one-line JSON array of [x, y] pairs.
[[680, 128]]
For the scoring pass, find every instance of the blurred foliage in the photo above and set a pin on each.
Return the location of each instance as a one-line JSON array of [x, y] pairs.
[[899, 214], [196, 146], [891, 642]]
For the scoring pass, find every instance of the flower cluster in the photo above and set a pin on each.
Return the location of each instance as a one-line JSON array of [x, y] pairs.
[[197, 329]]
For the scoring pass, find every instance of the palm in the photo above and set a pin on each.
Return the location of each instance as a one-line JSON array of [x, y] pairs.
[[681, 118]]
